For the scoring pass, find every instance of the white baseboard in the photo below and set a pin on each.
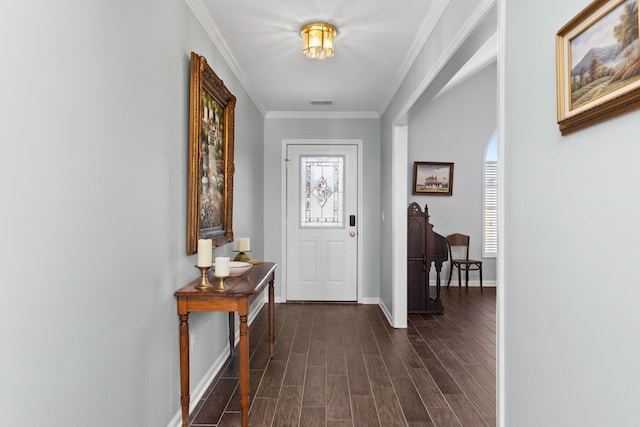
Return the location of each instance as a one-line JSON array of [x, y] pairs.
[[472, 283], [202, 386], [386, 312], [281, 300]]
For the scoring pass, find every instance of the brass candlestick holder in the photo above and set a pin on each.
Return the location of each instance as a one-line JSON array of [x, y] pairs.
[[204, 282], [242, 256], [221, 286]]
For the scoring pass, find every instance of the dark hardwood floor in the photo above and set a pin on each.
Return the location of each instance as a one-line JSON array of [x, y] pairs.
[[341, 365]]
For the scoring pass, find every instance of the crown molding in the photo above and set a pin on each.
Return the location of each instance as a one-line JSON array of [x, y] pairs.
[[210, 27], [434, 15], [322, 115], [474, 21]]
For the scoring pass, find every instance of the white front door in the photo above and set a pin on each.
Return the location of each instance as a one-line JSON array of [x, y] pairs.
[[322, 223]]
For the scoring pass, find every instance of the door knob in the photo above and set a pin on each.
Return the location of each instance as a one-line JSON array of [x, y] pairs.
[[353, 233]]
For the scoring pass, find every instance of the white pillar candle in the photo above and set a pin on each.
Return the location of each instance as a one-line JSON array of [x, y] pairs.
[[204, 252], [242, 244], [222, 266]]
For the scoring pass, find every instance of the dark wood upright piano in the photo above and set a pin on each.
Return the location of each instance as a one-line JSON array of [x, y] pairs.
[[424, 248]]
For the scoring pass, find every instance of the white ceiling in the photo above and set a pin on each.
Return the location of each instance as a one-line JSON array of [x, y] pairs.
[[376, 44]]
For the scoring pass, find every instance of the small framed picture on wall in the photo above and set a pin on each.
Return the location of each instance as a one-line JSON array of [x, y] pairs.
[[433, 178]]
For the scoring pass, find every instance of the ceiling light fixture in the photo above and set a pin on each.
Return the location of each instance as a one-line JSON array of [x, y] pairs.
[[318, 40]]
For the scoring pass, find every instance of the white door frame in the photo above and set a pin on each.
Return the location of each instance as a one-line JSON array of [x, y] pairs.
[[283, 207], [399, 197]]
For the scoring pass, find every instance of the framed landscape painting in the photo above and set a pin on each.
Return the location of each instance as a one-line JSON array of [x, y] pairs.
[[598, 73], [211, 131], [433, 178]]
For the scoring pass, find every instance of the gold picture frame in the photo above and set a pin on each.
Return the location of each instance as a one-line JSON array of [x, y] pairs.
[[211, 130], [433, 178], [598, 73]]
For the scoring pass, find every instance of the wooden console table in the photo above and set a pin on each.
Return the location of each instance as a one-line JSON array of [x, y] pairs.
[[242, 290]]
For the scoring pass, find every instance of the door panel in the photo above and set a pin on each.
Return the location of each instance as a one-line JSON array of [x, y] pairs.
[[322, 246]]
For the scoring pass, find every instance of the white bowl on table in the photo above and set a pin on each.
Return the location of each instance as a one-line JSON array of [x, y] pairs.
[[237, 268]]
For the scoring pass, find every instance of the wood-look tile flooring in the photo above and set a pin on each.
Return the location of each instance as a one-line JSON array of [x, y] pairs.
[[341, 365]]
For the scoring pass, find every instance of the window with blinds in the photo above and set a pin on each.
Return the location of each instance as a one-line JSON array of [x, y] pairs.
[[490, 200]]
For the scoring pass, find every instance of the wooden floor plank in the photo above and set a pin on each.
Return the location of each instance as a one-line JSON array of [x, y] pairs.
[[212, 412], [376, 370], [296, 370], [272, 380], [465, 411], [254, 381], [484, 402], [262, 411], [427, 388], [485, 378], [315, 387], [282, 347], [389, 409], [365, 413], [444, 417], [230, 419], [289, 407], [338, 400], [312, 417], [412, 405]]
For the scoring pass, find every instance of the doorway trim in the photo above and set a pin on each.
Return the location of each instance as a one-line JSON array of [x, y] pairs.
[[399, 197], [283, 207]]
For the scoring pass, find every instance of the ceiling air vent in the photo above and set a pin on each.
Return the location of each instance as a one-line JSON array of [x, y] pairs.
[[321, 102]]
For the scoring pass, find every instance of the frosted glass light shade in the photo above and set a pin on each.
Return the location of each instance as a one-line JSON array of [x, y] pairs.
[[318, 40]]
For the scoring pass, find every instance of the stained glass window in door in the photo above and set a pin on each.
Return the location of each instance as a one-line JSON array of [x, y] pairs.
[[322, 195]]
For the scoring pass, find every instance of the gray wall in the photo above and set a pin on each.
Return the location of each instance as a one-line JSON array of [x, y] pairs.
[[455, 127], [93, 178], [368, 130], [570, 302]]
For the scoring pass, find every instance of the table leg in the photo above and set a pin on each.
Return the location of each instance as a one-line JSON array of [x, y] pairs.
[[184, 368], [271, 317], [232, 331], [243, 311]]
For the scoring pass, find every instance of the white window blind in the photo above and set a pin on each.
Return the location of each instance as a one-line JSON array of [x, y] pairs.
[[490, 199], [490, 209]]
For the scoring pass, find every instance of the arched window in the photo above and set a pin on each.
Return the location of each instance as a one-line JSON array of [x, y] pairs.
[[490, 199]]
